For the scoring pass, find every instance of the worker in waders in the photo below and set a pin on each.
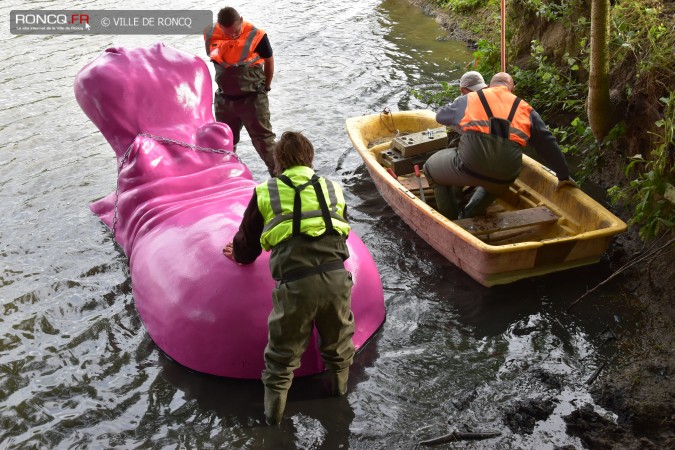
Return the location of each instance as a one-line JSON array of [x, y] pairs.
[[495, 126], [244, 65], [301, 218]]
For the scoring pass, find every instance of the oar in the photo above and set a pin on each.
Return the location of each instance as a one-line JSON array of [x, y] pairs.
[[419, 182]]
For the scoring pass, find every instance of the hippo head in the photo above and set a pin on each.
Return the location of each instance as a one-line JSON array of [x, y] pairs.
[[156, 90], [133, 93]]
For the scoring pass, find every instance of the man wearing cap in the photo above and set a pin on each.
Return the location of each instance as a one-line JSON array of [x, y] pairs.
[[495, 126], [470, 82]]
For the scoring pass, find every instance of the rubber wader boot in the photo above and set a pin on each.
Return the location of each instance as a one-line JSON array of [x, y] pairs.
[[339, 382], [479, 203], [447, 200], [275, 403]]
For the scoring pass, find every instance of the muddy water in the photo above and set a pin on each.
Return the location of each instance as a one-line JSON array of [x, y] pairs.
[[77, 369]]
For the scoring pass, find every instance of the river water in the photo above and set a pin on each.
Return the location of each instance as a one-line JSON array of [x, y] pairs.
[[77, 369]]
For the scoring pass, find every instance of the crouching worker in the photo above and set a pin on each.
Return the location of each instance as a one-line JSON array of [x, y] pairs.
[[302, 218], [495, 126]]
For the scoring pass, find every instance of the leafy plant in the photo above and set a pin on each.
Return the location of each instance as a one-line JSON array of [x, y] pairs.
[[552, 11], [462, 6], [638, 33], [487, 58], [651, 194], [434, 99], [550, 88]]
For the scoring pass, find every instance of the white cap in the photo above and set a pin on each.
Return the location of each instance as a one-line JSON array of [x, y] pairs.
[[473, 81]]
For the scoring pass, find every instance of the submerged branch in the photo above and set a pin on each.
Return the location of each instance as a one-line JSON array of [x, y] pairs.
[[461, 436], [651, 253]]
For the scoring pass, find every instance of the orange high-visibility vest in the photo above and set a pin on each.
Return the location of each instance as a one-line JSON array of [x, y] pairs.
[[500, 100], [230, 52]]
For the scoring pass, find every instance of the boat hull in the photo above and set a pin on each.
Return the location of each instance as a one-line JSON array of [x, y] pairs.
[[580, 236]]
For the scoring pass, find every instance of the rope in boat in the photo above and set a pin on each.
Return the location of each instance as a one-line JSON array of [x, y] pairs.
[[387, 112], [163, 140]]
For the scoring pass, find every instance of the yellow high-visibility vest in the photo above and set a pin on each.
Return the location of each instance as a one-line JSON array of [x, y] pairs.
[[277, 200]]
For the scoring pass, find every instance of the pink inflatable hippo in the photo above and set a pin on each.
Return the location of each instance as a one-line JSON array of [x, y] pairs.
[[178, 202]]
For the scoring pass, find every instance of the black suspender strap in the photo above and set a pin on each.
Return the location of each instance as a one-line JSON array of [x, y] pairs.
[[498, 126], [514, 108], [488, 111], [324, 206], [483, 100], [297, 203]]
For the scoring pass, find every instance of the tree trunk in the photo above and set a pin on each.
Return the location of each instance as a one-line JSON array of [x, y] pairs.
[[600, 114]]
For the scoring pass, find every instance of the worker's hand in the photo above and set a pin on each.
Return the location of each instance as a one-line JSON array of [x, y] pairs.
[[568, 182], [228, 251]]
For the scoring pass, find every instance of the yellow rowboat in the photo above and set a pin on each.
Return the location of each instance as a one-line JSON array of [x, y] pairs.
[[529, 231]]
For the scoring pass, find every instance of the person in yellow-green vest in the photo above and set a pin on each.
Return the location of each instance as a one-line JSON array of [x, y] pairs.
[[302, 219], [244, 67]]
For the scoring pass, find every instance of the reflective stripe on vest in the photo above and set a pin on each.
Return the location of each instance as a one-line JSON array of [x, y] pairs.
[[500, 100], [230, 52], [276, 201]]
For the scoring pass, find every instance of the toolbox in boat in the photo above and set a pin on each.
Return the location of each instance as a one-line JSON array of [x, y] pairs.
[[422, 142]]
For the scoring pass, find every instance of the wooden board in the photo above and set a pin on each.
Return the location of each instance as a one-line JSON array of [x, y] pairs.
[[507, 220], [411, 183]]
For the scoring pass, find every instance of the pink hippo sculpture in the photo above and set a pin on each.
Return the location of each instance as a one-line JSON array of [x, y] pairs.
[[178, 202]]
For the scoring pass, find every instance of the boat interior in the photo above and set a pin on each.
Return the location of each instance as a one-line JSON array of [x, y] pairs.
[[527, 212]]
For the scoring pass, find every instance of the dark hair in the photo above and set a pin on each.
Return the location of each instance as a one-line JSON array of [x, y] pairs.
[[292, 149], [227, 16]]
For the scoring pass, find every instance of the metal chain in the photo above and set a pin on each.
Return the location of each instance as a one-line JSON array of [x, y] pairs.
[[117, 186], [191, 146], [163, 140]]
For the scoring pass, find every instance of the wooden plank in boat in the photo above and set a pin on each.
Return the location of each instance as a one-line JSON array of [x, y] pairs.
[[507, 220], [410, 182]]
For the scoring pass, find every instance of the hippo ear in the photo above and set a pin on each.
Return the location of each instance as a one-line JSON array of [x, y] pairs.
[[215, 135]]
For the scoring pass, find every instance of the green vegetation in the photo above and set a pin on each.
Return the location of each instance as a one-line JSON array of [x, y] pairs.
[[437, 98], [551, 88], [650, 192], [464, 6], [641, 37], [641, 86], [642, 50], [552, 11]]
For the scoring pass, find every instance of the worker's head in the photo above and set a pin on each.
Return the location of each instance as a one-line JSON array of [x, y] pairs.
[[230, 22], [502, 79], [471, 81], [292, 149]]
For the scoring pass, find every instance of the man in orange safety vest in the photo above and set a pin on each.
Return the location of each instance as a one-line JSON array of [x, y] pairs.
[[496, 126], [244, 64]]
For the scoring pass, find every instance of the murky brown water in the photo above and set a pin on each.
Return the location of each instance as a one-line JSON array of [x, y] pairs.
[[77, 369]]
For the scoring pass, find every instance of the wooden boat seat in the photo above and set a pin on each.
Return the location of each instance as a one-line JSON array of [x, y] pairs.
[[507, 220]]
